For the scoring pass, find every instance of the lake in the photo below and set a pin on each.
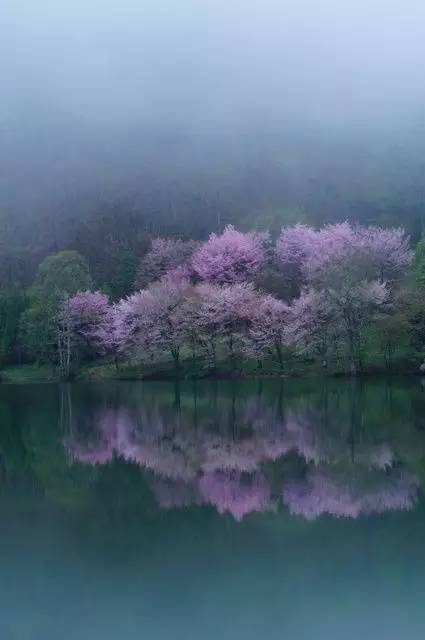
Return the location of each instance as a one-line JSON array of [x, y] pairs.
[[218, 510]]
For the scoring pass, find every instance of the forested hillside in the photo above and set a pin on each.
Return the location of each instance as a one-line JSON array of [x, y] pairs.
[[107, 197]]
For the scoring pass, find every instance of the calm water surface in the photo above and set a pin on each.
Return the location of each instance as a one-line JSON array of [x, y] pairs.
[[243, 510]]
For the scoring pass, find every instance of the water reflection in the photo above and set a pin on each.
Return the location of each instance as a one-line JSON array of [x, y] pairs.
[[250, 451]]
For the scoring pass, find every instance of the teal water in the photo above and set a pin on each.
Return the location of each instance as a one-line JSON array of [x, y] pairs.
[[212, 510]]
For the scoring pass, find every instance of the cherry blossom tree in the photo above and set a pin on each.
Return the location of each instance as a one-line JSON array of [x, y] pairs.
[[81, 322], [335, 317], [115, 333], [230, 257], [296, 243], [350, 271], [334, 246], [369, 253], [157, 319], [373, 252], [90, 314], [165, 255], [267, 330], [309, 327], [226, 312], [389, 251], [293, 248], [353, 307], [344, 276]]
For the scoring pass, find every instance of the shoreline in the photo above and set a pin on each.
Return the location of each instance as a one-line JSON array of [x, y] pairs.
[[21, 374]]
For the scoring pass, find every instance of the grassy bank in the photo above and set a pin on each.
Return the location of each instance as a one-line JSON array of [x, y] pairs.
[[407, 363], [26, 373]]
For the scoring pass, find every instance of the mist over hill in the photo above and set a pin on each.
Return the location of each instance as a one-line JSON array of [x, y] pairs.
[[121, 122]]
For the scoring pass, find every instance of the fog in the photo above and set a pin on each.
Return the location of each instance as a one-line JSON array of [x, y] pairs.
[[200, 65], [99, 97]]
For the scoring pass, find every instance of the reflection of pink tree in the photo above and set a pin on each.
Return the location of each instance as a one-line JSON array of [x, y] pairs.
[[116, 432], [269, 440], [176, 450], [174, 494], [236, 493], [173, 451], [321, 435], [333, 493], [109, 427], [226, 466]]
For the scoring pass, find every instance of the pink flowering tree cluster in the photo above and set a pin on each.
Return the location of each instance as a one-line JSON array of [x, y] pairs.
[[90, 316], [268, 330], [174, 313], [165, 254], [372, 253], [84, 326], [347, 276], [230, 257], [310, 328], [225, 314], [158, 319], [201, 300]]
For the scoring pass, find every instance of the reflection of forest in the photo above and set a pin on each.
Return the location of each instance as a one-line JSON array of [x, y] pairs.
[[339, 448]]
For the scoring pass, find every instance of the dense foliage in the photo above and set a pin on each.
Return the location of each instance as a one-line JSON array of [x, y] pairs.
[[321, 296]]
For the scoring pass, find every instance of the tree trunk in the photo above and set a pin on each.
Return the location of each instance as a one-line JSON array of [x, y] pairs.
[[175, 352], [279, 355]]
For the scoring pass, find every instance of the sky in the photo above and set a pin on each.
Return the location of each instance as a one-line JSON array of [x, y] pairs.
[[84, 83], [202, 65]]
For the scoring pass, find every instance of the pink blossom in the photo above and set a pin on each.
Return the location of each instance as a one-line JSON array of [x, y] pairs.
[[375, 253], [225, 312], [83, 322], [268, 328], [230, 257], [174, 494], [157, 319], [296, 244], [322, 492], [166, 254], [235, 493], [309, 326]]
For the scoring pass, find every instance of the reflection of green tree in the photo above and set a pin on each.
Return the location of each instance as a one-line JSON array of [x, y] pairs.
[[33, 456], [63, 483], [13, 453]]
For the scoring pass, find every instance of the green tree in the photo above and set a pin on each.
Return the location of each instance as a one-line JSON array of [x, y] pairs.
[[392, 332], [11, 307], [59, 275], [122, 282], [418, 264]]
